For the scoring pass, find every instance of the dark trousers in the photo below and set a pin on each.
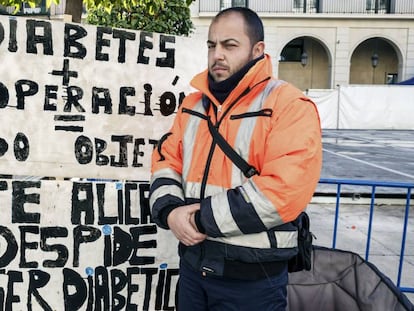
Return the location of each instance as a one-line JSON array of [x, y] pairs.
[[203, 293]]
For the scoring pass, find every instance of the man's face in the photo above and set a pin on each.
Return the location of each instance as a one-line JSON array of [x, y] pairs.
[[229, 47]]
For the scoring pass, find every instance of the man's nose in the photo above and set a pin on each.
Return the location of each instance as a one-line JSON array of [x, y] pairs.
[[218, 52]]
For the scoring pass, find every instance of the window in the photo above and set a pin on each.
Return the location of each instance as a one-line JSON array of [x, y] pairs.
[[292, 52], [224, 4], [305, 6], [26, 9], [391, 78], [298, 5], [375, 6]]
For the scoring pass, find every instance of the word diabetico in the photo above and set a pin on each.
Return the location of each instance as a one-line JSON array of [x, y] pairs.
[[44, 258]]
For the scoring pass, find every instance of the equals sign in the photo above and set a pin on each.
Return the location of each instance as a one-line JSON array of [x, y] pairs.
[[69, 118]]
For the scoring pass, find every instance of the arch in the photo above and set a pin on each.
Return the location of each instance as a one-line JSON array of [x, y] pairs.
[[388, 68], [315, 72]]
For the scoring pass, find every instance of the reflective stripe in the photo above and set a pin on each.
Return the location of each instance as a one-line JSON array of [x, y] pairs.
[[168, 189], [284, 239], [220, 205], [166, 173], [189, 138], [222, 215], [245, 132], [264, 208], [172, 190], [192, 190]]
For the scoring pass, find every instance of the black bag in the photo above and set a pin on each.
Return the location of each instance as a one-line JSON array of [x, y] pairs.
[[303, 259]]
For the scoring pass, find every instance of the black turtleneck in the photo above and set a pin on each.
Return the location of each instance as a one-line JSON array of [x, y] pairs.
[[222, 89]]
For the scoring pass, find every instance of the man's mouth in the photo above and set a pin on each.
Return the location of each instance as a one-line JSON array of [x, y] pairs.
[[219, 68]]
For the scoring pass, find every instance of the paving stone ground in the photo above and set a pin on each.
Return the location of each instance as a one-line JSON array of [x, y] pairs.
[[369, 155]]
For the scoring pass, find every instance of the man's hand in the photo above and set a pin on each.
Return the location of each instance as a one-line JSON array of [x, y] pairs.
[[181, 222]]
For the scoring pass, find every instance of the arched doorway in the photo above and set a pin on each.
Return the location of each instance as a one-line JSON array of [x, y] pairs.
[[374, 61], [305, 63]]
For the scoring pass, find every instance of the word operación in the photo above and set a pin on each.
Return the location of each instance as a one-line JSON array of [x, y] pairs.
[[39, 38]]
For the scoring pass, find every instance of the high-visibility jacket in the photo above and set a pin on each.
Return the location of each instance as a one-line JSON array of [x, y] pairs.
[[276, 129]]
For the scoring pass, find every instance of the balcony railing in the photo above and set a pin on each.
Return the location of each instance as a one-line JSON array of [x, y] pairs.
[[314, 6]]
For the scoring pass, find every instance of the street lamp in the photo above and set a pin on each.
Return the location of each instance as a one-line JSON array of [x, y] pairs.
[[304, 59], [374, 63], [374, 60]]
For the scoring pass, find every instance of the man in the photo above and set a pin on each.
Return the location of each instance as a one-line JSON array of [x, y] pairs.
[[235, 232]]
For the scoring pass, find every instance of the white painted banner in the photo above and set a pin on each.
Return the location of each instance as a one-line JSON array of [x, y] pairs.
[[83, 246], [84, 101]]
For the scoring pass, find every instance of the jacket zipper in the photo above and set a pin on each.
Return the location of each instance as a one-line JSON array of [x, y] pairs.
[[267, 112], [213, 145], [218, 122]]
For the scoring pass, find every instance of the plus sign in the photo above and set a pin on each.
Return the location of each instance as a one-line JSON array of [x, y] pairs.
[[65, 72]]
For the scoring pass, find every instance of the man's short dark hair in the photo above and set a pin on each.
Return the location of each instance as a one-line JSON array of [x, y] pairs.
[[254, 25]]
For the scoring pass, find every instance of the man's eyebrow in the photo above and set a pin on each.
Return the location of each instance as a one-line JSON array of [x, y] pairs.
[[223, 41]]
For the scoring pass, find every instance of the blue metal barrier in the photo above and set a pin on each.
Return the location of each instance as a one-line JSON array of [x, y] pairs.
[[374, 184]]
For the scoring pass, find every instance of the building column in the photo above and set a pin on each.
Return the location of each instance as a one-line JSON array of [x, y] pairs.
[[341, 64], [409, 62]]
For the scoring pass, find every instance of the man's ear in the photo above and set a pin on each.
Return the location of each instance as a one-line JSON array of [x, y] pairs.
[[258, 49]]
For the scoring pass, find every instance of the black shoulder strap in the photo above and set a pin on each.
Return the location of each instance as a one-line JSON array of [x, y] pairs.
[[247, 169]]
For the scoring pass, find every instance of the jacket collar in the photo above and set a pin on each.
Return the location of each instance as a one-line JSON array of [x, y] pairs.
[[222, 89], [262, 70]]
